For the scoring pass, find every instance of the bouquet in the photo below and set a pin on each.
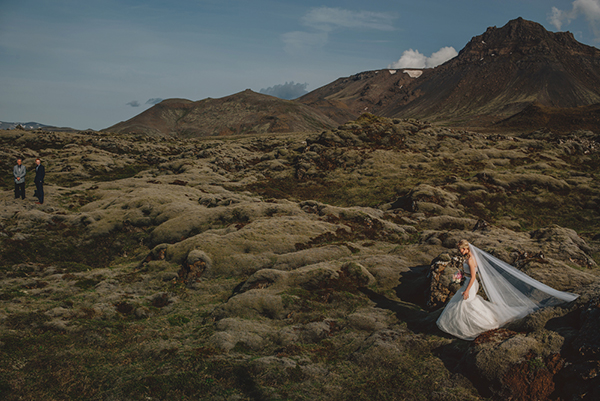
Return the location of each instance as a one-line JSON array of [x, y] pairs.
[[458, 277]]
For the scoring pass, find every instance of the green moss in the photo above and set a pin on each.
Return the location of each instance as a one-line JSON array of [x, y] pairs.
[[86, 284], [536, 364], [66, 247], [9, 294], [334, 193], [119, 173], [532, 210], [178, 320], [24, 321], [72, 267]]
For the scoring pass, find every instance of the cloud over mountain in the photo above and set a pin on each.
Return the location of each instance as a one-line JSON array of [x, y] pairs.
[[414, 59], [154, 100], [289, 90], [133, 103]]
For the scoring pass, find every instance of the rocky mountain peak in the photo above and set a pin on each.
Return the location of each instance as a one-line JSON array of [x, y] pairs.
[[517, 30], [495, 76], [520, 37]]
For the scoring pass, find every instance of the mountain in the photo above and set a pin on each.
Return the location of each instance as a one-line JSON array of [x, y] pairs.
[[32, 126], [496, 75], [246, 112], [349, 97]]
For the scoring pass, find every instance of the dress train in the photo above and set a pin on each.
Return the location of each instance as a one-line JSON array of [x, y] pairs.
[[467, 318]]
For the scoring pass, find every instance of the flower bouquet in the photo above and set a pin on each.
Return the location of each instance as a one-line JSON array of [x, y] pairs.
[[458, 277]]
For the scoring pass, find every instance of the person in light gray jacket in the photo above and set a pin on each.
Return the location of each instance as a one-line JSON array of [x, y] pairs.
[[19, 172]]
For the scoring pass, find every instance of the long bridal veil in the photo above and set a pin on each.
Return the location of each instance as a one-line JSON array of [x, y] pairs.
[[513, 293]]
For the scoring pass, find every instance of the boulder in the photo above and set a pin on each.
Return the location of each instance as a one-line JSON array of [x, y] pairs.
[[441, 285]]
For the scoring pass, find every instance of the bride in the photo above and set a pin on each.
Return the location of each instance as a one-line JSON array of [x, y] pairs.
[[512, 294]]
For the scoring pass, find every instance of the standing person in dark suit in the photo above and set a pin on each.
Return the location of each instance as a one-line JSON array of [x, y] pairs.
[[40, 173], [19, 172]]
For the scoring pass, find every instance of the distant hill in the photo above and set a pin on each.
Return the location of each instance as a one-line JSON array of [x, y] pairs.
[[246, 112], [496, 75], [32, 126], [367, 92], [27, 126]]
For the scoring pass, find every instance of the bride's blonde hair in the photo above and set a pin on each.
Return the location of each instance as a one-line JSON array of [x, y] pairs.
[[463, 244]]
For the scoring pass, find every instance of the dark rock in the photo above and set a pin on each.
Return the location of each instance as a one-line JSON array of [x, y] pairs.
[[407, 203], [195, 265], [441, 287], [587, 343]]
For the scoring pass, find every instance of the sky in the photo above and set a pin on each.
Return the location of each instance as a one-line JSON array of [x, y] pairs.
[[91, 64]]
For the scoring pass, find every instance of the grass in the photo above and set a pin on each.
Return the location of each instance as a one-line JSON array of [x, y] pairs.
[[178, 320], [101, 358], [344, 193], [119, 173], [116, 359], [533, 210], [52, 369], [316, 305], [66, 247]]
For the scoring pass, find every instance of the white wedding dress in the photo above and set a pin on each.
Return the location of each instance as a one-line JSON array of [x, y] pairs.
[[512, 294], [467, 318]]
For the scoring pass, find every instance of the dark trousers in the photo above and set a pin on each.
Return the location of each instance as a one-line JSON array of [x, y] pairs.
[[20, 190], [39, 191]]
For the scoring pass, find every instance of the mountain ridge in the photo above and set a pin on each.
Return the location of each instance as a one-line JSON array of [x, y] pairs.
[[498, 74], [31, 125], [245, 112]]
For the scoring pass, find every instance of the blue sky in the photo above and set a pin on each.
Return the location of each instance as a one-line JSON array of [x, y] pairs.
[[93, 63]]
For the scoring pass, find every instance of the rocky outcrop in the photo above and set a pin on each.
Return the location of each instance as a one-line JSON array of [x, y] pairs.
[[548, 362], [443, 284]]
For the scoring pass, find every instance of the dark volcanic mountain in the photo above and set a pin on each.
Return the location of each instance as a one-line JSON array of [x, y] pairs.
[[496, 75], [246, 112]]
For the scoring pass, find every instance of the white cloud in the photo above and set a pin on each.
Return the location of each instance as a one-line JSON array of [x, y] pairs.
[[323, 20], [590, 9], [410, 59], [414, 59], [441, 56], [134, 103], [557, 18]]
